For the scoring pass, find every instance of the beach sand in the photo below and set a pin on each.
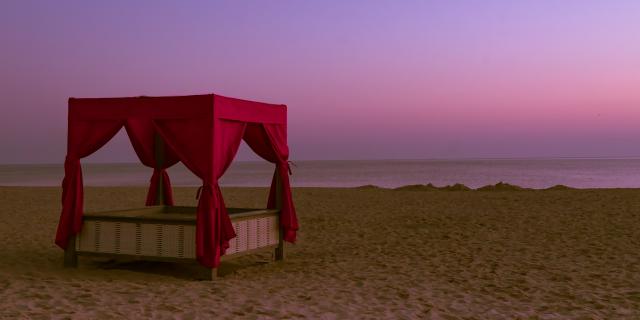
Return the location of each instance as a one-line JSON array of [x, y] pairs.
[[361, 253]]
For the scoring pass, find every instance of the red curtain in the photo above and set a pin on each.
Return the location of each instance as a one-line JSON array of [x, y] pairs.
[[193, 142], [84, 138], [141, 132], [227, 138], [269, 141]]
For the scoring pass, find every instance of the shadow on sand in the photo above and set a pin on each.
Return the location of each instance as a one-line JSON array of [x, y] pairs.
[[184, 271]]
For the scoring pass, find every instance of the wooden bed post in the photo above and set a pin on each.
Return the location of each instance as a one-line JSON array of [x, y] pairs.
[[279, 253], [159, 157], [70, 256]]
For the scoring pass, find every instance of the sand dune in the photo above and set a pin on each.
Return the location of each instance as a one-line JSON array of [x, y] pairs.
[[362, 253]]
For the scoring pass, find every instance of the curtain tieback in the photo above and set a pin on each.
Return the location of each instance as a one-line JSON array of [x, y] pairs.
[[205, 188], [156, 172], [288, 164], [71, 165]]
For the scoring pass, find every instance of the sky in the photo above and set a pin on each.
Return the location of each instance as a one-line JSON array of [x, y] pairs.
[[362, 79]]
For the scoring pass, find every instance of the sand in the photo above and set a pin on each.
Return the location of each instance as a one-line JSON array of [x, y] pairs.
[[362, 253]]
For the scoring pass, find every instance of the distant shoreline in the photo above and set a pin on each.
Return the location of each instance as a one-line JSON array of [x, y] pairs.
[[85, 162], [474, 174], [458, 187]]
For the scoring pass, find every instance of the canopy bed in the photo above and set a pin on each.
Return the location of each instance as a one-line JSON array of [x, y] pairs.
[[204, 133]]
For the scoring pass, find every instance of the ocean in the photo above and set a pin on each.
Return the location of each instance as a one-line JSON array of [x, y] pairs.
[[578, 173]]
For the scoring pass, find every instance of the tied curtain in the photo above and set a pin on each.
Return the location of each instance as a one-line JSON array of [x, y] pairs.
[[84, 138], [269, 141], [198, 144], [142, 134], [87, 136]]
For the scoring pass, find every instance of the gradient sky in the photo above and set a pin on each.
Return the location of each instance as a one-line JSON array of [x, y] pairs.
[[362, 79]]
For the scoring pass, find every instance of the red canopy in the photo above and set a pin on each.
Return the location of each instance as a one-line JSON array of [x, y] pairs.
[[202, 131]]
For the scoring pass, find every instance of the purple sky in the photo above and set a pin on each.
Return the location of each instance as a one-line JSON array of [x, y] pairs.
[[363, 79]]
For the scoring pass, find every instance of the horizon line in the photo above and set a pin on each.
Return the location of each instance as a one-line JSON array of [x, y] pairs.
[[378, 159]]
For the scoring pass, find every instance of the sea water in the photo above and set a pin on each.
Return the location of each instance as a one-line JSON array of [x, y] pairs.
[[579, 173]]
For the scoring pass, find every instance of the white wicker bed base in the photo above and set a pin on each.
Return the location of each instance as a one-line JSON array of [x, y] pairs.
[[169, 240]]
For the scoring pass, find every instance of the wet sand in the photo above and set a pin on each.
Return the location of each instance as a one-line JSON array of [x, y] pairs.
[[362, 253]]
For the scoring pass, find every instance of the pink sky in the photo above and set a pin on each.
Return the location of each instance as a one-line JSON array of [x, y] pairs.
[[363, 79]]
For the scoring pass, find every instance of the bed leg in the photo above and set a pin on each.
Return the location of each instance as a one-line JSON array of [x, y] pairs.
[[214, 274], [206, 273], [70, 256], [279, 252]]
